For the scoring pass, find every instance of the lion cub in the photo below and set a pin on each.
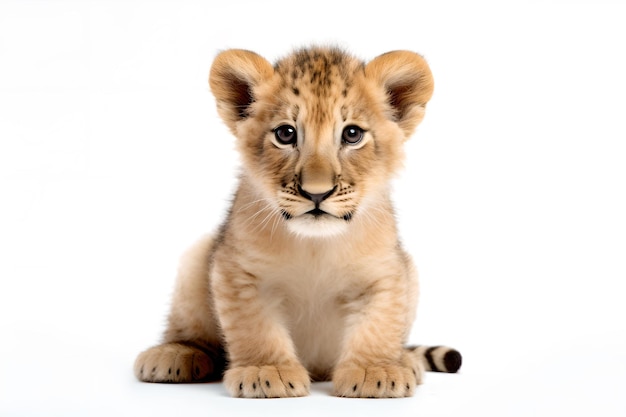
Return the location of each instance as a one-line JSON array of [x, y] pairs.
[[306, 279]]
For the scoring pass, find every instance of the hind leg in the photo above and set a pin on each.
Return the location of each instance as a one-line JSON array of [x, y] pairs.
[[178, 362], [192, 348]]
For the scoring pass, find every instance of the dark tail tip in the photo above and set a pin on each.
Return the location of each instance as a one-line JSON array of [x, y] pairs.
[[452, 360]]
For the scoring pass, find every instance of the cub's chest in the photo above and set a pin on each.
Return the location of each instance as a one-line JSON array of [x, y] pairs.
[[306, 284], [313, 304], [309, 276]]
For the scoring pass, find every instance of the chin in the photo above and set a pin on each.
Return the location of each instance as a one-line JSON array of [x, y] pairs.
[[308, 225]]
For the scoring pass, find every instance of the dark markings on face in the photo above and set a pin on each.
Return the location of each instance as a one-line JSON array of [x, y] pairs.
[[320, 69], [260, 145], [321, 77]]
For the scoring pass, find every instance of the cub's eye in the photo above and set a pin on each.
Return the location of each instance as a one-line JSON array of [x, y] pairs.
[[286, 134], [352, 135]]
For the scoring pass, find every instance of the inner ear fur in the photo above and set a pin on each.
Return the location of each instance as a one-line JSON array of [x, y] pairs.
[[408, 83], [234, 75]]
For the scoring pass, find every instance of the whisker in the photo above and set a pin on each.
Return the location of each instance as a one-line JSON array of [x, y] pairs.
[[272, 213], [245, 206]]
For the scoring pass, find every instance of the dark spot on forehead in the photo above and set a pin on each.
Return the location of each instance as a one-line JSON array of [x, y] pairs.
[[321, 76], [319, 64]]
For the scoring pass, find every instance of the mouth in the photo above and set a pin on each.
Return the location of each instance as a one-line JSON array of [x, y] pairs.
[[317, 223], [317, 213]]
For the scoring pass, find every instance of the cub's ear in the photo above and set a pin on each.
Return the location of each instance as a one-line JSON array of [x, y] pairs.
[[408, 83], [234, 75]]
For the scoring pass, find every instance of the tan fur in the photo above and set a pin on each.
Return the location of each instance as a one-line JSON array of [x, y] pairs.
[[290, 295]]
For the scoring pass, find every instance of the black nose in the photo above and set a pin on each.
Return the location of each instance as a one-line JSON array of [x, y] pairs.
[[316, 198]]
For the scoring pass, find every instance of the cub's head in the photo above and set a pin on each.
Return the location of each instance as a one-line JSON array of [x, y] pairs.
[[321, 132]]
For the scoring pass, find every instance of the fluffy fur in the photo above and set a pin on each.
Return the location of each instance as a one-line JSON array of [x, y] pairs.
[[306, 279]]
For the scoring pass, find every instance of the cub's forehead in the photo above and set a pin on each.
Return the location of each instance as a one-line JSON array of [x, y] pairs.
[[319, 71], [320, 85]]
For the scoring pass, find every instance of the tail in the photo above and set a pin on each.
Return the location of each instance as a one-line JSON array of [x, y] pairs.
[[438, 358]]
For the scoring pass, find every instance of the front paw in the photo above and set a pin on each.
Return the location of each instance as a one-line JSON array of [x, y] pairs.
[[377, 381], [174, 362], [267, 381]]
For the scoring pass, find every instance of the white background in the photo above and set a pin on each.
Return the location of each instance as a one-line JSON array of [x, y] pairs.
[[513, 200]]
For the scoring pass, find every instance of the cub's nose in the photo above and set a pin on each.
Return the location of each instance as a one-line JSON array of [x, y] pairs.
[[316, 198]]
